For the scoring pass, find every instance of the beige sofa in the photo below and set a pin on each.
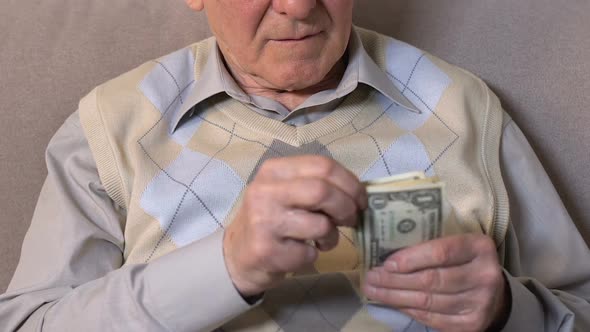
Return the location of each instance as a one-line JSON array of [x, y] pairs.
[[534, 53]]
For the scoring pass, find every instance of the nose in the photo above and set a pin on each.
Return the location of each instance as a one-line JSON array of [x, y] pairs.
[[297, 9]]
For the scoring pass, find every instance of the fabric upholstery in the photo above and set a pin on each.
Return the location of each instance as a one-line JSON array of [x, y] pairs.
[[533, 53]]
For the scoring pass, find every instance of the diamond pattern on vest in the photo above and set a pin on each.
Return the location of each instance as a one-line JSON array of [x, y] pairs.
[[186, 200], [396, 320], [406, 154], [168, 85], [313, 303], [191, 212], [186, 197]]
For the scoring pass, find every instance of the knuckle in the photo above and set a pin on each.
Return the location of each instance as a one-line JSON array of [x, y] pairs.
[[256, 192], [318, 190], [256, 221], [281, 226], [265, 169], [491, 276], [269, 165], [485, 244], [325, 166], [381, 279], [403, 263], [426, 279], [430, 280], [442, 256], [255, 203], [261, 250], [425, 301]]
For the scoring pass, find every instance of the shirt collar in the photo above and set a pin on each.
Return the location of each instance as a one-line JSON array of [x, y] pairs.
[[371, 74], [215, 79]]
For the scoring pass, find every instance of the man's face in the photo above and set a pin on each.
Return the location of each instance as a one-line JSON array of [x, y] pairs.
[[283, 44]]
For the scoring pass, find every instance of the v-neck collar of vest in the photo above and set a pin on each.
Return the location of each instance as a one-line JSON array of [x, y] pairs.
[[353, 104]]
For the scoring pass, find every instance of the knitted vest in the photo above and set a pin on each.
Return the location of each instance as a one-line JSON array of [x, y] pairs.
[[181, 185]]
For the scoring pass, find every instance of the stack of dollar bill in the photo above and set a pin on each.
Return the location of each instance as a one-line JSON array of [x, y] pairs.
[[403, 210]]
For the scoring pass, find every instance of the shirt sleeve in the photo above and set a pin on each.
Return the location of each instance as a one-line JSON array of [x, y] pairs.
[[71, 277], [546, 259]]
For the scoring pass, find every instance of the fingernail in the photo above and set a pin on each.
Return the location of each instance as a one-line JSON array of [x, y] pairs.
[[391, 266]]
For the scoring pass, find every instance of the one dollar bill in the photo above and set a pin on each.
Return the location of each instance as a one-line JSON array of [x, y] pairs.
[[403, 210]]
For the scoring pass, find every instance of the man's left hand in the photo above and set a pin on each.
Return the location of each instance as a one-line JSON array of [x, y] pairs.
[[450, 284]]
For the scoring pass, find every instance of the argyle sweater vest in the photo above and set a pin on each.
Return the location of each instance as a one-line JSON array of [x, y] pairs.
[[179, 184]]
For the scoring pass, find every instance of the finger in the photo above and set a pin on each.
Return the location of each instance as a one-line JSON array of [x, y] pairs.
[[449, 304], [438, 280], [444, 322], [291, 255], [306, 226], [313, 166], [328, 242], [316, 195], [443, 252]]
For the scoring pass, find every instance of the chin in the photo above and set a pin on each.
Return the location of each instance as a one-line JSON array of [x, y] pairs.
[[299, 77]]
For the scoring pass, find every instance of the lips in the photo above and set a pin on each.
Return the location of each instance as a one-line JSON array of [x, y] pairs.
[[304, 37]]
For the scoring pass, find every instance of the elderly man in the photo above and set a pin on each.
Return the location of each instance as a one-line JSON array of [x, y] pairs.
[[216, 188]]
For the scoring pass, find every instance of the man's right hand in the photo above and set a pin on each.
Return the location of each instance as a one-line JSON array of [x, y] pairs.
[[291, 202]]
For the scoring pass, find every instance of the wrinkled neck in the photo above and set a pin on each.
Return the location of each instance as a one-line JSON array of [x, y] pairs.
[[289, 99]]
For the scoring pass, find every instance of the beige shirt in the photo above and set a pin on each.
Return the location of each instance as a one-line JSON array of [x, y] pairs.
[[71, 263]]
